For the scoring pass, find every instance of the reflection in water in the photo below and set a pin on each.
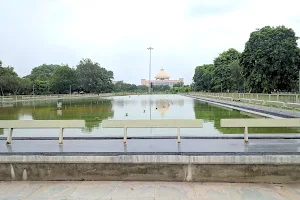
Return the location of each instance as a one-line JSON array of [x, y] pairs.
[[213, 113], [162, 106], [94, 110]]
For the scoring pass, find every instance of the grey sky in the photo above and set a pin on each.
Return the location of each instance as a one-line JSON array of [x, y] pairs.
[[116, 33]]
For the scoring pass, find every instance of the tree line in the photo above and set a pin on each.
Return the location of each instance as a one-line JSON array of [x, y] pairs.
[[87, 76], [269, 63]]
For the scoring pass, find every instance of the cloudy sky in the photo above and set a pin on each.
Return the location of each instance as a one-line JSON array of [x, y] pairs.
[[116, 33]]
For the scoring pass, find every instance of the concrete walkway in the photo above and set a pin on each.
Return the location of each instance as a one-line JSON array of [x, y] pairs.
[[119, 190], [265, 109]]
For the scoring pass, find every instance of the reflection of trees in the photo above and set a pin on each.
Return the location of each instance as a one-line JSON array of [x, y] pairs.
[[93, 111], [119, 103], [215, 114]]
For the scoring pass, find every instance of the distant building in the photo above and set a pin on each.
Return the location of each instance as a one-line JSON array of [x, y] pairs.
[[162, 78]]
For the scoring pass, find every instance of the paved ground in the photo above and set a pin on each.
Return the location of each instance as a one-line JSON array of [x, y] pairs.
[[146, 191], [265, 109], [154, 145]]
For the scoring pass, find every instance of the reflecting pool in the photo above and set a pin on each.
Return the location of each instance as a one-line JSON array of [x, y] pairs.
[[94, 110]]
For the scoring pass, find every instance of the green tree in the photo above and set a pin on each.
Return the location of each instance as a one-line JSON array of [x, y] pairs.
[[202, 77], [180, 84], [62, 79], [25, 86], [221, 78], [41, 77], [124, 87], [10, 84], [142, 88], [270, 60], [237, 78], [93, 78], [9, 80], [43, 72]]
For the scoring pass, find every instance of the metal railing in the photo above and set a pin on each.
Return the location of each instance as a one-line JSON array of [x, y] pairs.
[[259, 123], [287, 98], [29, 124], [257, 101], [168, 123], [20, 98]]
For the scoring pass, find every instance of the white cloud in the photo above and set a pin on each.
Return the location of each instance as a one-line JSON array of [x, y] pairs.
[[116, 33]]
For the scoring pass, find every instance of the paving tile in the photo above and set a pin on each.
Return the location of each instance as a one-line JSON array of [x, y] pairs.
[[17, 189], [131, 198], [12, 198], [53, 189], [93, 190], [257, 191], [215, 191], [175, 190], [290, 191], [135, 190]]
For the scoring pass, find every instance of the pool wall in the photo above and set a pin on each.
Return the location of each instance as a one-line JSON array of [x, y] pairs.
[[208, 168]]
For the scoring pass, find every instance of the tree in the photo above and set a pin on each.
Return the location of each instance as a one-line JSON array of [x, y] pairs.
[[25, 86], [221, 79], [9, 80], [237, 78], [62, 79], [43, 72], [93, 78], [202, 77], [41, 77], [161, 88], [124, 87], [180, 84], [270, 60]]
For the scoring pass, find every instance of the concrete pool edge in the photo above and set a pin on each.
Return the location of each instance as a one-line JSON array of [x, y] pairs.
[[153, 159], [264, 113], [263, 168]]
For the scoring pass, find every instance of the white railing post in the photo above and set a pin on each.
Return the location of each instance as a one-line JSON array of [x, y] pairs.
[[125, 135], [9, 137], [178, 134], [246, 134], [61, 135]]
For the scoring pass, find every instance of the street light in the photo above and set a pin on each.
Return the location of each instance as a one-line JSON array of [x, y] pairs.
[[149, 89]]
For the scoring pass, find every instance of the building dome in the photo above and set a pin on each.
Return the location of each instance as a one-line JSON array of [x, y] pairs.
[[162, 75]]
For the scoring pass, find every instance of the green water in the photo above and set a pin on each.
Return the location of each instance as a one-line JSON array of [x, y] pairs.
[[94, 110]]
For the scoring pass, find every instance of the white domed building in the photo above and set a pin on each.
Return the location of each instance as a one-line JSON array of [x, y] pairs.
[[162, 78]]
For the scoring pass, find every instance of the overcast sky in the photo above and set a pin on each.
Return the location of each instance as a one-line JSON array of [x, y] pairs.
[[116, 33]]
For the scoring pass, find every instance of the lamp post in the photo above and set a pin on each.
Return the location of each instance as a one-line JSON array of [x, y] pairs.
[[149, 89]]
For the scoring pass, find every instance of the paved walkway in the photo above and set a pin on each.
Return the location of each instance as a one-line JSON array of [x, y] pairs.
[[265, 109], [261, 146], [146, 191]]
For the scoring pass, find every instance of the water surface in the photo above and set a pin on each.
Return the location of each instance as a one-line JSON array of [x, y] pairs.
[[94, 110]]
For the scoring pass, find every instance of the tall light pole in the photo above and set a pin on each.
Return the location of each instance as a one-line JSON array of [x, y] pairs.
[[149, 89]]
